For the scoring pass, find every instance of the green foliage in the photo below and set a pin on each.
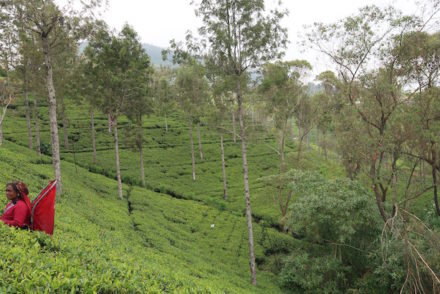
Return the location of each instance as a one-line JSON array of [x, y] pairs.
[[303, 273], [241, 34], [339, 223], [339, 211]]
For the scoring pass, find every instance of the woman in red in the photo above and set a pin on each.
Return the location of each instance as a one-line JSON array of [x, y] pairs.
[[17, 212]]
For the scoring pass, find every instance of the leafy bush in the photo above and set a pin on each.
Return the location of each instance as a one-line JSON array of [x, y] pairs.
[[337, 219], [307, 274]]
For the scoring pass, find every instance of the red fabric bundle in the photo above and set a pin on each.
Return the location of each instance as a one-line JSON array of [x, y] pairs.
[[43, 210]]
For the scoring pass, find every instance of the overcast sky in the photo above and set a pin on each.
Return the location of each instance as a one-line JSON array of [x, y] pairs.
[[159, 21]]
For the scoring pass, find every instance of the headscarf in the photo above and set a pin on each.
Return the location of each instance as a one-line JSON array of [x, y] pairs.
[[22, 192]]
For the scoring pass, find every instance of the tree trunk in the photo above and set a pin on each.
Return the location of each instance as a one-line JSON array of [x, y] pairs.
[[225, 192], [28, 115], [280, 184], [166, 123], [233, 127], [252, 112], [434, 181], [324, 138], [118, 168], [193, 160], [395, 195], [141, 153], [65, 130], [37, 127], [252, 264], [376, 189], [109, 124], [92, 118], [308, 141], [200, 141], [2, 117], [298, 156], [52, 114]]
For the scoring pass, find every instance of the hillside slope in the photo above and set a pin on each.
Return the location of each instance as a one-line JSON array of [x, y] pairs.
[[150, 243]]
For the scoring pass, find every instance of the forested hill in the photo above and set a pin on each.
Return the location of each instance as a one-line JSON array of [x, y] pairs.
[[155, 54]]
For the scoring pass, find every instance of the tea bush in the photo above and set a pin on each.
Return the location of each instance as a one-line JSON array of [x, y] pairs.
[[163, 244]]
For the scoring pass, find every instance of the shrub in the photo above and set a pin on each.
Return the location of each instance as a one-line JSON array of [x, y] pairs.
[[340, 225], [305, 273]]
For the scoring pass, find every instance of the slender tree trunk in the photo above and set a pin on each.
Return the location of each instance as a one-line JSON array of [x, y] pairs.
[[233, 127], [141, 153], [434, 181], [280, 184], [52, 114], [37, 127], [225, 192], [324, 138], [65, 130], [92, 118], [109, 124], [252, 112], [252, 264], [200, 141], [193, 160], [376, 188], [394, 193], [422, 170], [298, 156], [166, 123], [308, 141], [118, 168], [2, 117], [4, 109], [28, 115]]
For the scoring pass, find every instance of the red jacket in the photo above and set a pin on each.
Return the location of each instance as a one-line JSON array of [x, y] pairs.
[[17, 214]]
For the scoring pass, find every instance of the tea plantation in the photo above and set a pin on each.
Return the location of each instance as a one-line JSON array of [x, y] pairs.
[[176, 235]]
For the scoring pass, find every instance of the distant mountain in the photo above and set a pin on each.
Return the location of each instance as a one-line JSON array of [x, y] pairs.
[[153, 51], [155, 54], [314, 88]]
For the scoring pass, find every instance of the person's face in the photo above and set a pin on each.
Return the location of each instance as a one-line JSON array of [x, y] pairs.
[[10, 193]]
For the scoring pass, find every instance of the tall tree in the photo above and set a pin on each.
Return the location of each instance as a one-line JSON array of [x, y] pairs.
[[367, 49], [419, 64], [26, 47], [139, 101], [86, 77], [119, 62], [65, 82], [283, 89], [305, 116], [32, 68], [241, 35], [222, 101], [373, 94], [191, 91], [9, 61], [47, 21], [163, 99], [328, 105]]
